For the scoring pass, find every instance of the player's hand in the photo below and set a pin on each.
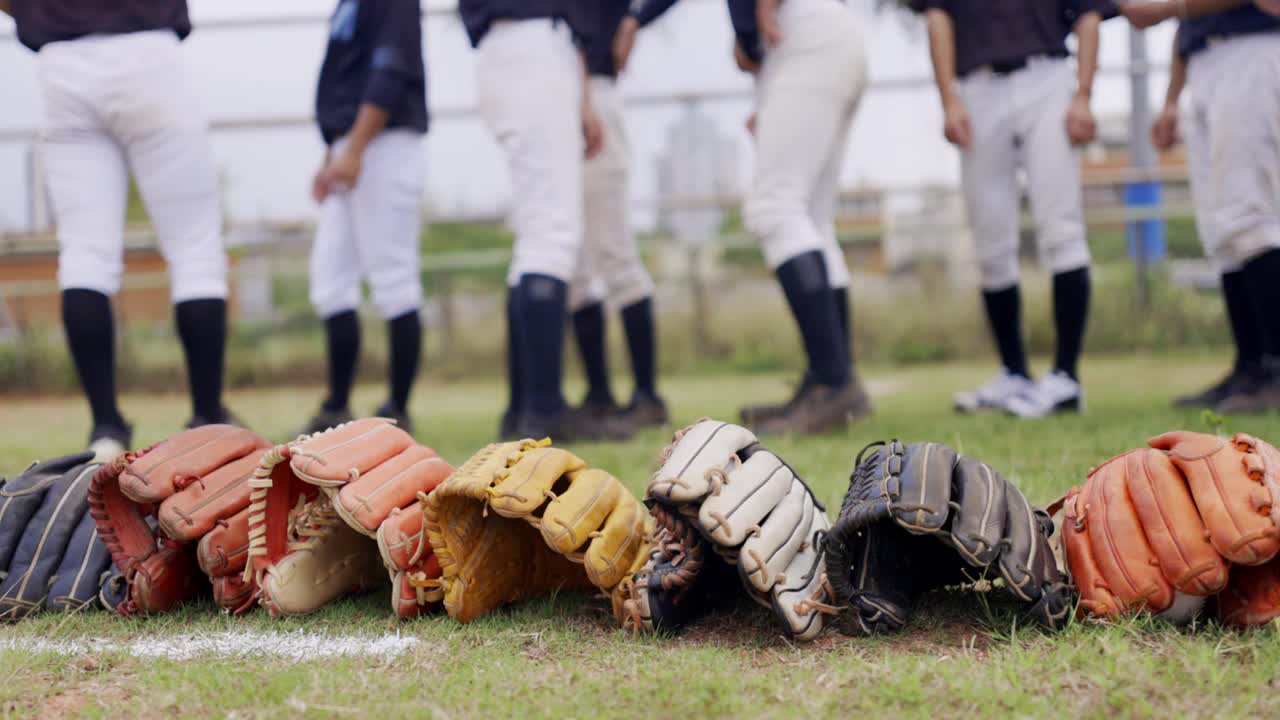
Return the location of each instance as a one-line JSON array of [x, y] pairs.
[[342, 172], [319, 187], [592, 132], [767, 21], [956, 126], [744, 61], [1164, 131], [624, 41], [1081, 127], [751, 123], [1145, 13], [1271, 7]]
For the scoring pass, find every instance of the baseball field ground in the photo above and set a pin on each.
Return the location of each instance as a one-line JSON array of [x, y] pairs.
[[563, 657]]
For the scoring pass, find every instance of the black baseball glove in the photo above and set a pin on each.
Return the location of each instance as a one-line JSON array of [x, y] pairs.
[[905, 504], [50, 555]]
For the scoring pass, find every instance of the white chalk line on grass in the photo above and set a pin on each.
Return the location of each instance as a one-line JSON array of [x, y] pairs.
[[298, 645]]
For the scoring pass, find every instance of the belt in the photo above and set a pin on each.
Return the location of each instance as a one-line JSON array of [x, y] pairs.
[[1009, 67]]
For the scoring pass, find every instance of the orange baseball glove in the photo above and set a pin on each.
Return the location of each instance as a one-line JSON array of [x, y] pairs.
[[1189, 517]]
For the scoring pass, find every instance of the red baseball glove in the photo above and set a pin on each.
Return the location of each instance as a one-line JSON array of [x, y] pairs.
[[151, 506]]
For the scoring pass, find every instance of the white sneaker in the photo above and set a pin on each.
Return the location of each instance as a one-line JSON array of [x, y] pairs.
[[1055, 393], [106, 449], [995, 395]]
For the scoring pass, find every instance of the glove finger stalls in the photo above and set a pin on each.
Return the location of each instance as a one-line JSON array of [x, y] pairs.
[[978, 523], [1252, 597], [188, 456], [800, 597], [753, 489], [75, 585], [707, 445], [1171, 524], [1227, 481], [341, 455], [400, 538], [527, 485], [367, 501], [1096, 597], [612, 553], [21, 497], [225, 550], [580, 510], [1026, 550], [1121, 551], [921, 503], [223, 492], [770, 550]]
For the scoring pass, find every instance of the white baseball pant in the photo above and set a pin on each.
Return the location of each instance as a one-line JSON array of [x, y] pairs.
[[114, 103], [1232, 134], [371, 231], [807, 92], [530, 92], [1019, 121], [609, 267]]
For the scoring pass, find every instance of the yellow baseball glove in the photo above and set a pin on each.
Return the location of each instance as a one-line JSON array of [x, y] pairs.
[[522, 519]]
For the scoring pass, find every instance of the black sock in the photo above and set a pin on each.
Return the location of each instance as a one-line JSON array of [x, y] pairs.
[[542, 305], [202, 326], [588, 330], [804, 281], [1245, 327], [842, 312], [1262, 275], [1070, 314], [91, 337], [342, 336], [404, 343], [637, 322], [1004, 315], [515, 368]]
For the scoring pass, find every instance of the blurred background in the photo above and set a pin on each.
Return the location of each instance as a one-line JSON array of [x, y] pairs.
[[901, 219]]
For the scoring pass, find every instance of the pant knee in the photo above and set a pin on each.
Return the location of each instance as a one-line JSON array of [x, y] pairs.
[[87, 270], [1064, 253]]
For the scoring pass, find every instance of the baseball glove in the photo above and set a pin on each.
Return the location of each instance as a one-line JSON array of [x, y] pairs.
[[522, 519], [908, 502], [152, 506], [338, 512], [720, 498], [1180, 518], [50, 556]]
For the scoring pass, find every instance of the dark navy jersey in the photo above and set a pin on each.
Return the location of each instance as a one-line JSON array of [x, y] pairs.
[[742, 13], [1194, 34], [374, 56], [479, 15], [1009, 31], [599, 49], [41, 22]]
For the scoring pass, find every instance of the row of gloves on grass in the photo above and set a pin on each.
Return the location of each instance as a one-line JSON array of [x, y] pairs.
[[220, 512]]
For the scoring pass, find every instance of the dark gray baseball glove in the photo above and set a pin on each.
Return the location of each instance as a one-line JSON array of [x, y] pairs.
[[905, 504]]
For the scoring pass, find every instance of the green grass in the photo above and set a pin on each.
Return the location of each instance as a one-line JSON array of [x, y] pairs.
[[563, 657]]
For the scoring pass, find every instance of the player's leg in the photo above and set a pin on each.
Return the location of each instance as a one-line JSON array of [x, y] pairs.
[[989, 183], [617, 255], [87, 180], [587, 291], [1056, 194], [822, 208], [386, 216], [530, 94], [1244, 126], [334, 290], [154, 115], [1241, 314]]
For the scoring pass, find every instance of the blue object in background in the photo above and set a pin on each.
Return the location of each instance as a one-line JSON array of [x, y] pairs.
[[1154, 249]]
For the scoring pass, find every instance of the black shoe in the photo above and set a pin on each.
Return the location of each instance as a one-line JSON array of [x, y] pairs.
[[598, 408], [1259, 396], [403, 421], [326, 419], [754, 414], [108, 441], [569, 425], [645, 411], [818, 409], [1238, 381], [225, 417]]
